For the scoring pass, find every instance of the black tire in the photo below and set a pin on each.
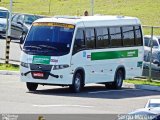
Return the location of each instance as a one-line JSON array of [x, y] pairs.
[[32, 86], [118, 80], [77, 83]]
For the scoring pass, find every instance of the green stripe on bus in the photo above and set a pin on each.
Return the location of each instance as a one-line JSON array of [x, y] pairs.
[[114, 54]]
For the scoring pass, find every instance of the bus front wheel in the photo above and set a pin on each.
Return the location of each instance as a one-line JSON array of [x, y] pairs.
[[31, 86], [77, 83]]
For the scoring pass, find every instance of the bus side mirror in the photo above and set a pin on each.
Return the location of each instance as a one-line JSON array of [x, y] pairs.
[[21, 40]]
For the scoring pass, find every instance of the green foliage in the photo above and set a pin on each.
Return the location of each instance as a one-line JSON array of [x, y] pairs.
[[143, 82], [9, 67], [146, 10]]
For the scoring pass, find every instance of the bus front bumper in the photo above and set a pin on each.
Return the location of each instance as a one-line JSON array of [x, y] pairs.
[[55, 77]]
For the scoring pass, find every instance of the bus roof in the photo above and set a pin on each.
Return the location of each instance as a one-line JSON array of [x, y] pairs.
[[90, 21]]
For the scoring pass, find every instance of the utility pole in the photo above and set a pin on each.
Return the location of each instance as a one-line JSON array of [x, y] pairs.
[[49, 6], [10, 17], [8, 35], [150, 60], [92, 7]]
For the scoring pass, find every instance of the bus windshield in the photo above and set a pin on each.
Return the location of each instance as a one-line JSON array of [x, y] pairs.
[[49, 40]]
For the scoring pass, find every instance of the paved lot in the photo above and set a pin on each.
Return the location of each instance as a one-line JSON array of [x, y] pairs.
[[50, 99]]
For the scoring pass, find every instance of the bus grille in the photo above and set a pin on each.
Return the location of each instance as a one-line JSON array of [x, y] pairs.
[[36, 67]]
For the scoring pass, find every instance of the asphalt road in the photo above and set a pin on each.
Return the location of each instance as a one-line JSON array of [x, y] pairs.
[[15, 98]]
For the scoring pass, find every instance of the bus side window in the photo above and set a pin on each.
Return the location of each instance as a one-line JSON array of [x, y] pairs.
[[128, 35], [138, 36], [102, 40], [90, 38], [115, 36], [79, 41]]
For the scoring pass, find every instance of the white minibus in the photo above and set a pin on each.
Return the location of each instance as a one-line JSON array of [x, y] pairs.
[[75, 51]]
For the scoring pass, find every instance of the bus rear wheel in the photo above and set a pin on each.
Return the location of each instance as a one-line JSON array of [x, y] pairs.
[[118, 80], [77, 83], [31, 86]]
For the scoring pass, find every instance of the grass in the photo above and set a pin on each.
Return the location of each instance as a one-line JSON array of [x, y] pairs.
[[143, 82], [146, 10], [9, 67]]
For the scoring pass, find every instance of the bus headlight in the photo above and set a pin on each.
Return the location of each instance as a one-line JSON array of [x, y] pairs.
[[26, 65], [56, 67]]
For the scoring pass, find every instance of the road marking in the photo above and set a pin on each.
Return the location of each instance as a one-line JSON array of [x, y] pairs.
[[110, 91], [83, 106]]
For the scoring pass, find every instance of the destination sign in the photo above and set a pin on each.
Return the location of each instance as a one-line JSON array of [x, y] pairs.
[[53, 24]]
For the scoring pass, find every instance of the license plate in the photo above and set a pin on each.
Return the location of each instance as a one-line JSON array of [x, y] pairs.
[[38, 74]]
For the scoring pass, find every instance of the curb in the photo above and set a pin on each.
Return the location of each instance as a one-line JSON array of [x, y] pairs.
[[6, 72], [142, 87]]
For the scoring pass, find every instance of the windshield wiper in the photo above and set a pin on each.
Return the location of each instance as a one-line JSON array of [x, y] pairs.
[[49, 47], [31, 46]]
